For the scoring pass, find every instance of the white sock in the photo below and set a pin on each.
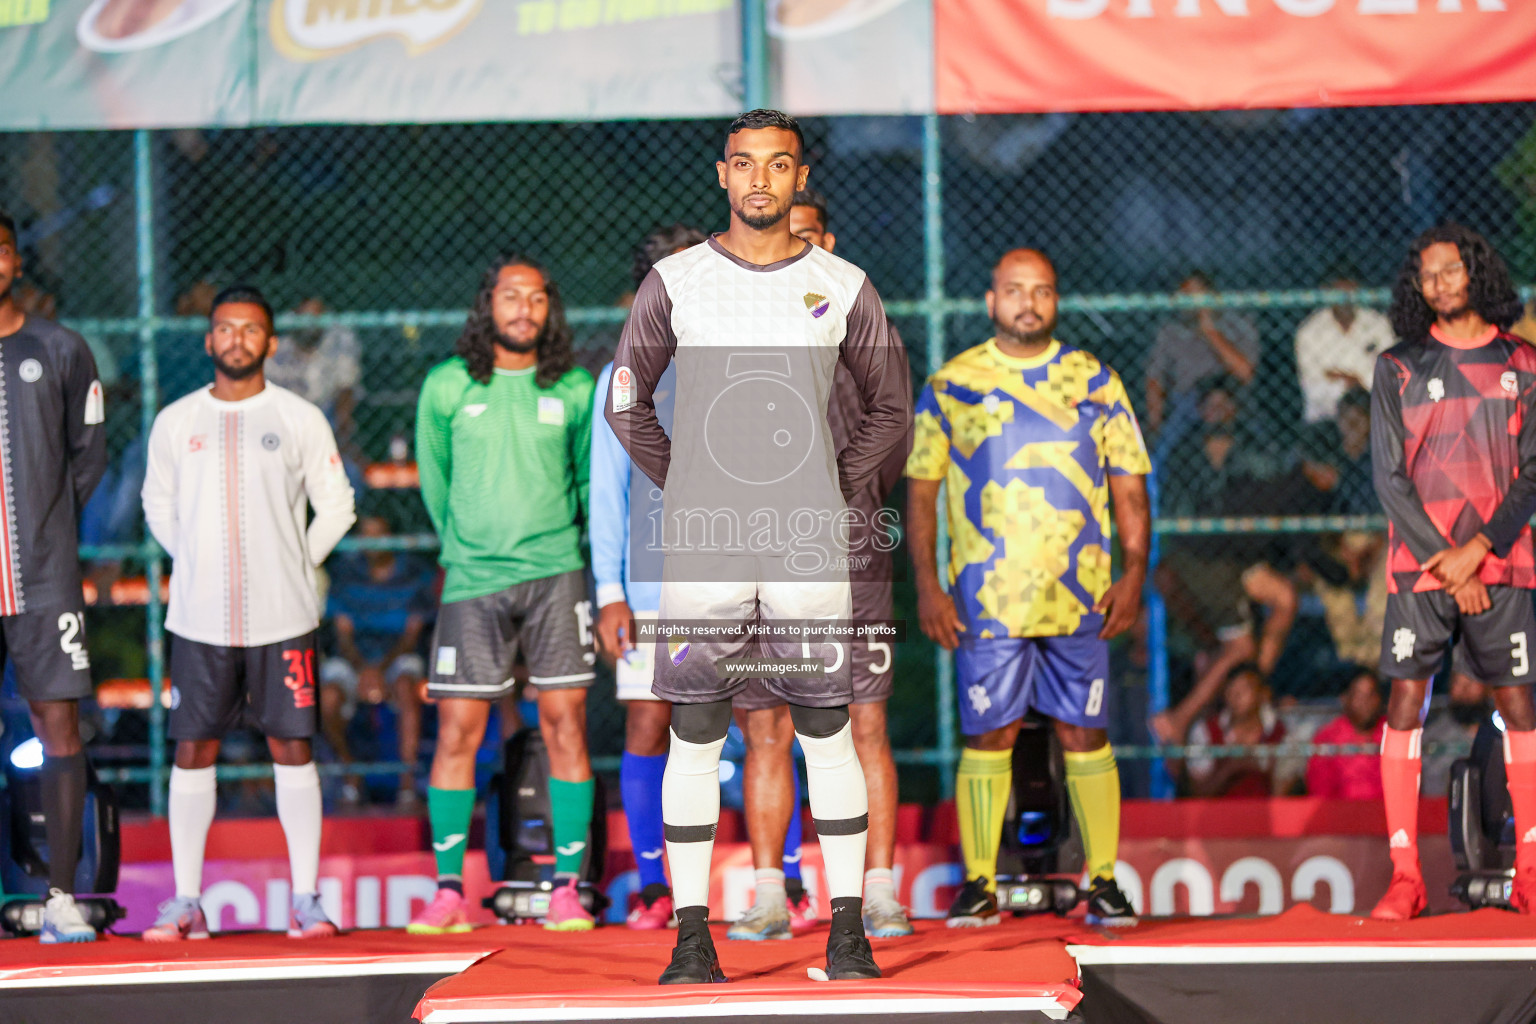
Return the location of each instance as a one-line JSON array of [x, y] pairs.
[[194, 798], [840, 807], [879, 884], [690, 810], [770, 888], [298, 808]]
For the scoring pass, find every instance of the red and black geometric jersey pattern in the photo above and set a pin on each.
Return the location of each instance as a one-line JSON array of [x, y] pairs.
[[1453, 447]]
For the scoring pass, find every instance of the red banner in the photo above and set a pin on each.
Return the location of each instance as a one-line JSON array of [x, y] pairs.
[[1015, 56]]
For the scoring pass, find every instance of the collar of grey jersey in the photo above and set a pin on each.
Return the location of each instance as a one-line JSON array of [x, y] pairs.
[[760, 268]]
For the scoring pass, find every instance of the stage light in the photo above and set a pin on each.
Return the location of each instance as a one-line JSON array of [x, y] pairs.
[[28, 755], [727, 771]]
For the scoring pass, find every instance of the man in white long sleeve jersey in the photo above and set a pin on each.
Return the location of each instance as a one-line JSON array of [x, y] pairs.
[[233, 470]]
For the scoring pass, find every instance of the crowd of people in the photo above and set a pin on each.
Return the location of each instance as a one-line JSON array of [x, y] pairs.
[[1030, 444]]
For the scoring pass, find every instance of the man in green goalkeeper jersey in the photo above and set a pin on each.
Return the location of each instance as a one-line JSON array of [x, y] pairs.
[[503, 439]]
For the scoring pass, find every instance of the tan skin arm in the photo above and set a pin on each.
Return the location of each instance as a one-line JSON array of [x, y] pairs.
[[1121, 603], [935, 611]]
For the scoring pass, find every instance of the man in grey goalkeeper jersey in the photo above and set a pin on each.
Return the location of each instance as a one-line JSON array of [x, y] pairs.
[[754, 510]]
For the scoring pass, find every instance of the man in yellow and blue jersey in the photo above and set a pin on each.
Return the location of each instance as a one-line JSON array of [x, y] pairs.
[[1033, 439]]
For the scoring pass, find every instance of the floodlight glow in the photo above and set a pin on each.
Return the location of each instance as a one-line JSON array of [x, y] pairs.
[[28, 754]]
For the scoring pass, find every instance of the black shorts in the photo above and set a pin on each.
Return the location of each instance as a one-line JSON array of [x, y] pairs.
[[215, 689], [1494, 647], [476, 641], [47, 646]]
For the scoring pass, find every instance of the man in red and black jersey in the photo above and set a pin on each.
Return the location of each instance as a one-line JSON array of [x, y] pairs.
[[1453, 443]]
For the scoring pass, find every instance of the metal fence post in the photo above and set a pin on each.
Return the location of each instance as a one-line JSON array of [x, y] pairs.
[[754, 54], [149, 404], [933, 302]]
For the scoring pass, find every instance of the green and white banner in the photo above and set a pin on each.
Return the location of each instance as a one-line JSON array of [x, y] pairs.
[[184, 63]]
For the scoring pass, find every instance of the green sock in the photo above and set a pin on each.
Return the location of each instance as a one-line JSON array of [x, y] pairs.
[[571, 807], [449, 811]]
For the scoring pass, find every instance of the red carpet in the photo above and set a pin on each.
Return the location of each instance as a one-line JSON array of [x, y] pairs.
[[611, 973], [26, 963]]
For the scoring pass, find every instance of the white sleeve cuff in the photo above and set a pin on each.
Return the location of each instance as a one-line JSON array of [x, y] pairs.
[[609, 593]]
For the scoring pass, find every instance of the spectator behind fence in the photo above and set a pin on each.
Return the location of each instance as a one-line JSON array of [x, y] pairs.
[[323, 366], [1354, 594], [1355, 494], [1336, 349], [1351, 776], [380, 605], [1245, 716], [1193, 345], [1448, 731], [1211, 583]]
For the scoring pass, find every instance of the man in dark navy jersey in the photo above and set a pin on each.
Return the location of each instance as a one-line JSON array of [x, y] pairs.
[[53, 452]]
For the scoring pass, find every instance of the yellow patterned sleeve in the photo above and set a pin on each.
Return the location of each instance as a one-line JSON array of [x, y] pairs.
[[930, 439], [1124, 450]]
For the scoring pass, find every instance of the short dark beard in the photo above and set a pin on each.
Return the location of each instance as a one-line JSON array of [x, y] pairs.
[[765, 219], [522, 348], [1040, 337], [239, 372], [1455, 314]]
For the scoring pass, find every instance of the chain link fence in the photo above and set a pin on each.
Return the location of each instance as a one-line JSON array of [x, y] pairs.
[[1167, 229]]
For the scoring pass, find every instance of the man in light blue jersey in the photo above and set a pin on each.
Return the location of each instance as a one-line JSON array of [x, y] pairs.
[[626, 590]]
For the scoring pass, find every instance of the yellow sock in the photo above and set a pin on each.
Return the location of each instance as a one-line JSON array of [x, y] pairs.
[[981, 799], [1093, 782]]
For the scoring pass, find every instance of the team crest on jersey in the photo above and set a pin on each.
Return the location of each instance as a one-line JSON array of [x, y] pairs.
[[30, 370], [677, 649], [817, 304], [1436, 389], [197, 442], [551, 411], [1508, 381], [270, 442]]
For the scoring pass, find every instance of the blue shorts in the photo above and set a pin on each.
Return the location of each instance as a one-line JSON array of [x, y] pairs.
[[1065, 677]]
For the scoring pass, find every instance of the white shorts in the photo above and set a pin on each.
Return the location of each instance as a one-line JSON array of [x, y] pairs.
[[635, 672]]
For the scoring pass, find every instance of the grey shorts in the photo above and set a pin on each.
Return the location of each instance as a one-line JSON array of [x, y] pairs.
[[870, 661], [687, 673], [476, 641]]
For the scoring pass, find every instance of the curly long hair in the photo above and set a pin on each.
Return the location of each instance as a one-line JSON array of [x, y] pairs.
[[477, 342], [1489, 290]]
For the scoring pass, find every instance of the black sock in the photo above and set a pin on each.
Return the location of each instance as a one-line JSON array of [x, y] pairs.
[[63, 817], [794, 888], [848, 912], [456, 884], [692, 919]]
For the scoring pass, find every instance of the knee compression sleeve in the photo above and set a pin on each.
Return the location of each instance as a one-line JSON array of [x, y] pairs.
[[818, 723], [701, 723]]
